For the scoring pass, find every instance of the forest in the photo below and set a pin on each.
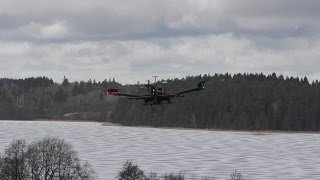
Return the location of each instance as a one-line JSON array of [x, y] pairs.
[[41, 98], [239, 101]]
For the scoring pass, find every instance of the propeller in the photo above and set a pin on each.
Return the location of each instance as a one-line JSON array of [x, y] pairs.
[[109, 91]]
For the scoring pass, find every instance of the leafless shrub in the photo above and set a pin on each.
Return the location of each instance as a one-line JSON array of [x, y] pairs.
[[172, 176], [130, 171], [235, 175]]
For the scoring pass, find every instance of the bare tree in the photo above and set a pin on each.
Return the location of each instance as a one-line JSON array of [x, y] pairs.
[[14, 162], [46, 159]]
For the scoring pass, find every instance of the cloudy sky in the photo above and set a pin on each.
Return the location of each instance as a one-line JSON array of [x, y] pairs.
[[132, 40]]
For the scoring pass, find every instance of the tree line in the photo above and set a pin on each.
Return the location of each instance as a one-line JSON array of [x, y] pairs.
[[239, 101], [41, 98]]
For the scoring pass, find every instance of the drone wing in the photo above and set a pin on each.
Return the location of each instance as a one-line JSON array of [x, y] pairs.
[[142, 97], [200, 86], [115, 92]]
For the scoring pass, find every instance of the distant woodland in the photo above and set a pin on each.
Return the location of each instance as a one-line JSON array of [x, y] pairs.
[[240, 101], [41, 98]]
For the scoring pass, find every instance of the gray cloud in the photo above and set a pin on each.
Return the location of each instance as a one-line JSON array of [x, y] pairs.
[[112, 19], [134, 40], [134, 60]]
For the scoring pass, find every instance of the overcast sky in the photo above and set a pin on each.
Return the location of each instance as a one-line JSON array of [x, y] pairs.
[[132, 40]]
